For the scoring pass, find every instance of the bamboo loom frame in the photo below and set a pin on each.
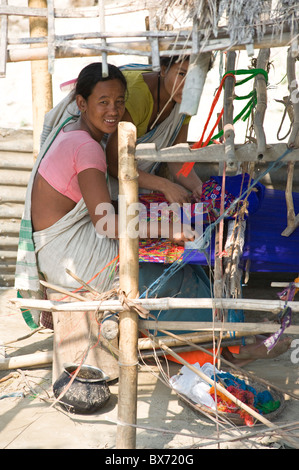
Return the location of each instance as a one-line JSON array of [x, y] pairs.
[[151, 44], [129, 324], [58, 47]]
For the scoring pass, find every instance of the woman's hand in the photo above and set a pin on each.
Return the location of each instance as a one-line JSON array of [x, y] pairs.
[[196, 193], [180, 235], [175, 193], [191, 182]]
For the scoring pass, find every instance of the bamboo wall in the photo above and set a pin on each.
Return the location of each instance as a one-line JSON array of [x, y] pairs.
[[16, 161]]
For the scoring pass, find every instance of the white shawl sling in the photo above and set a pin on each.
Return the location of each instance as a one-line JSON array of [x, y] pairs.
[[71, 243]]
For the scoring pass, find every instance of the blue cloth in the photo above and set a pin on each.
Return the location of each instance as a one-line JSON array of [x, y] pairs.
[[190, 281], [260, 398], [237, 185], [265, 247]]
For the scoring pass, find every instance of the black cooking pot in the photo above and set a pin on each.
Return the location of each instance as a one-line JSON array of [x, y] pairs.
[[87, 393]]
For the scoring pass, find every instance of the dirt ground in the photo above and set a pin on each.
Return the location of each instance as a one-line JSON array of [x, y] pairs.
[[164, 421]]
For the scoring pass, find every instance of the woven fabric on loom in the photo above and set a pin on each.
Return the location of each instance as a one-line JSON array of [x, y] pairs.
[[157, 250], [163, 250]]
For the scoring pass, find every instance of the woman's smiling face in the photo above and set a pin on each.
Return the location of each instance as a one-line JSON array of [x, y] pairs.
[[104, 107]]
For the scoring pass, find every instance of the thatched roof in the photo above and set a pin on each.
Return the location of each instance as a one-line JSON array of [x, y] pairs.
[[241, 20]]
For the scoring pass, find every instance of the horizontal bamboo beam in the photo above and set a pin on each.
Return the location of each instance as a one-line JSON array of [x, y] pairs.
[[165, 303], [178, 340], [142, 47], [45, 358], [252, 328], [213, 153], [182, 35], [82, 12], [27, 360], [283, 284]]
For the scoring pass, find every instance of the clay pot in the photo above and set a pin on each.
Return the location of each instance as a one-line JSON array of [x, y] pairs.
[[87, 393]]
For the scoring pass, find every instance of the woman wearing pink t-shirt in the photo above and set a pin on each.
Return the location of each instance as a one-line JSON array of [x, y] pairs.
[[70, 183]]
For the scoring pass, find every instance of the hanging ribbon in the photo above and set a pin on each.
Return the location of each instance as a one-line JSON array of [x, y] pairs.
[[285, 316], [187, 167]]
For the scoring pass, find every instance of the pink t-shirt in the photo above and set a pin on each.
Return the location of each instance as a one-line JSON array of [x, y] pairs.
[[69, 154]]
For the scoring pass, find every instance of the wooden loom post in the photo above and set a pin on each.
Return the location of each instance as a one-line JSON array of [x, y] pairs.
[[228, 113], [3, 41], [261, 107], [292, 219], [229, 149], [42, 97], [128, 277]]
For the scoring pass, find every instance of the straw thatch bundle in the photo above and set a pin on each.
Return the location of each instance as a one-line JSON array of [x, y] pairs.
[[241, 20]]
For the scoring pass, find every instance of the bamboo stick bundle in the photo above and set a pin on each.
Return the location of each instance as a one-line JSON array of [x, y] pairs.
[[234, 246]]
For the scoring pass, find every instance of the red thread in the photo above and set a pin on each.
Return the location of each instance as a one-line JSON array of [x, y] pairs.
[[187, 167]]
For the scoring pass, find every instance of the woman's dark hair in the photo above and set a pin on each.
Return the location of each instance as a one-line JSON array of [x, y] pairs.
[[92, 74], [168, 61]]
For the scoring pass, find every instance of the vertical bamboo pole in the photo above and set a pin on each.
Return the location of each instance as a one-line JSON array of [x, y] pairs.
[[51, 36], [104, 42], [228, 115], [42, 97], [154, 42], [3, 41], [128, 277], [293, 141], [293, 221], [229, 136], [261, 107]]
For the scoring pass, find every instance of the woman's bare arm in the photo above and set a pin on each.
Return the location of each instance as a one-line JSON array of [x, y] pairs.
[[95, 192], [173, 192]]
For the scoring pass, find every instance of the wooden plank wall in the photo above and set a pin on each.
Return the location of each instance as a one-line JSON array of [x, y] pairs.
[[16, 161]]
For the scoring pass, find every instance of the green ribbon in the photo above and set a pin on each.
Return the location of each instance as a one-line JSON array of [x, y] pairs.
[[246, 111]]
